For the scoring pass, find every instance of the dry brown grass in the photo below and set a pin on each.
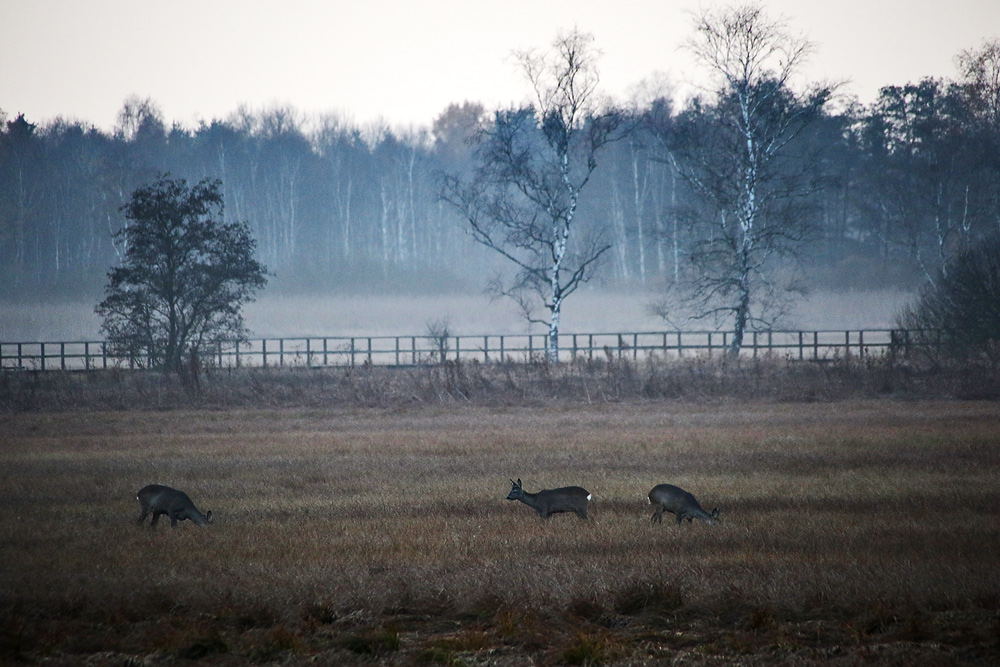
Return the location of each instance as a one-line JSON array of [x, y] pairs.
[[853, 531], [507, 383]]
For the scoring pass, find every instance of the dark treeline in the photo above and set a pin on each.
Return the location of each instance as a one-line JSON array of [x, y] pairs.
[[895, 188]]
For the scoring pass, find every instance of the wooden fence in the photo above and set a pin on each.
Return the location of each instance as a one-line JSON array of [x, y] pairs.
[[314, 352]]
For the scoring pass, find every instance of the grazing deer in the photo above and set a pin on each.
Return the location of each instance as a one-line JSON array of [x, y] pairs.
[[175, 504], [552, 501], [679, 502]]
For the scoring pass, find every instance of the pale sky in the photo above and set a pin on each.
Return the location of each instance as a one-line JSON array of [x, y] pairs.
[[404, 61]]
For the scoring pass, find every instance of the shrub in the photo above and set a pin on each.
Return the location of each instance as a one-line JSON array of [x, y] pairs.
[[962, 306]]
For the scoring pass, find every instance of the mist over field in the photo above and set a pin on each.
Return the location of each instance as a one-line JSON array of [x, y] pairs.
[[589, 311]]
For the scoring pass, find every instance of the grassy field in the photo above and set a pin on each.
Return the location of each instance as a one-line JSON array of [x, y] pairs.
[[862, 531]]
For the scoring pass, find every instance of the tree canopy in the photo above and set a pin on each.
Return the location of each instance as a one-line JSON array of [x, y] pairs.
[[184, 277]]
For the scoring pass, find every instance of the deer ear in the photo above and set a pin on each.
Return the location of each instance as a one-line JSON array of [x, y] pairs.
[[519, 481]]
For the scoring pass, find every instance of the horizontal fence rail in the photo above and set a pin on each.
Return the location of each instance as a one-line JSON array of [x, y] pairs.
[[317, 352]]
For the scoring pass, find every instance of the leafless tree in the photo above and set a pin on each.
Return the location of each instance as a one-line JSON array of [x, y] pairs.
[[533, 163], [734, 151], [139, 115], [980, 81]]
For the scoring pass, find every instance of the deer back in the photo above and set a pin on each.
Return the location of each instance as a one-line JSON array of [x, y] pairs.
[[160, 499], [682, 504], [552, 501]]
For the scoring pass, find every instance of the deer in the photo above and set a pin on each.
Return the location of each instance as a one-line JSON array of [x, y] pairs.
[[552, 501], [683, 505], [160, 499]]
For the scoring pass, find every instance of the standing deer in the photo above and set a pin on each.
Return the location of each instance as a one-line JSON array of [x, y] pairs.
[[552, 501], [670, 498], [175, 504]]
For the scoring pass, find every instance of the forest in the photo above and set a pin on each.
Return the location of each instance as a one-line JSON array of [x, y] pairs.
[[885, 192]]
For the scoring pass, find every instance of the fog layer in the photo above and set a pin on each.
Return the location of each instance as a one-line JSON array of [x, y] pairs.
[[590, 311]]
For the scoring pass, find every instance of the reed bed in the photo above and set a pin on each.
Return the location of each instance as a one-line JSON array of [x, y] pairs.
[[852, 531]]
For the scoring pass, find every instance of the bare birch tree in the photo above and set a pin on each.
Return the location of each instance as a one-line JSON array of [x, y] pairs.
[[733, 154], [533, 163]]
